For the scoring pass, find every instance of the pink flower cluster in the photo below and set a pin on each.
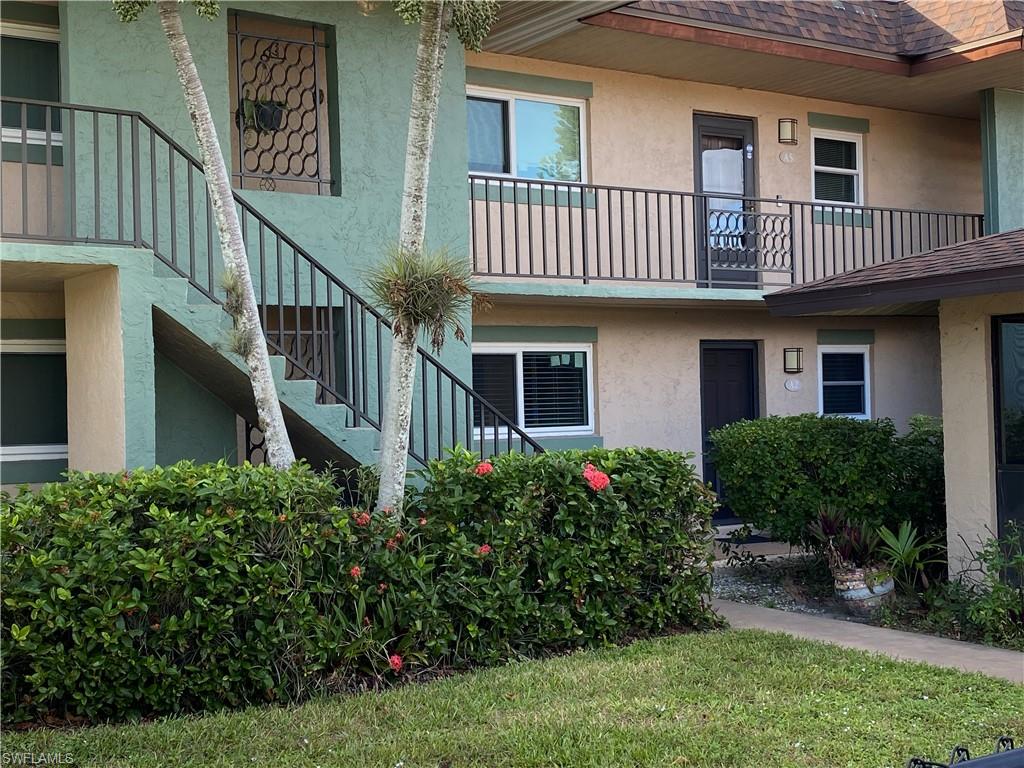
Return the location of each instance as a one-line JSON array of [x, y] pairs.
[[484, 468], [595, 478], [395, 662], [484, 549]]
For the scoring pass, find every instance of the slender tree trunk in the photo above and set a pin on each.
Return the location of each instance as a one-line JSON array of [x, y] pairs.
[[247, 322], [426, 90]]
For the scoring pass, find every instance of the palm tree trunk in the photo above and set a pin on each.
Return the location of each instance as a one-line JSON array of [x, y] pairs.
[[247, 322], [426, 90]]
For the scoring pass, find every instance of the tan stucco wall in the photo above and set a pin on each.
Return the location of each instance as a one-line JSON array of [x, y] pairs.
[[95, 364], [641, 134], [966, 338], [31, 305], [647, 364], [15, 189]]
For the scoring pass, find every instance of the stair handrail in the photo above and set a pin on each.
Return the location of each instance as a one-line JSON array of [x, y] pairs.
[[501, 429]]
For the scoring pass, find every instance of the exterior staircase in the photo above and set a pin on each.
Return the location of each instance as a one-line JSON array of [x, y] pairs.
[[112, 177]]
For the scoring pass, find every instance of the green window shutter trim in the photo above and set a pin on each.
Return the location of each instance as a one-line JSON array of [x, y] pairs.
[[515, 81], [839, 337], [838, 123], [42, 471], [531, 334], [11, 328], [839, 217], [32, 13]]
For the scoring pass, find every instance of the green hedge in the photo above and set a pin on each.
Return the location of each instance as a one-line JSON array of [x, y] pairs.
[[200, 587], [778, 471]]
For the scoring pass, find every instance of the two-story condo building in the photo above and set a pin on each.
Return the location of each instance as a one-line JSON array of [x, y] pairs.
[[628, 179]]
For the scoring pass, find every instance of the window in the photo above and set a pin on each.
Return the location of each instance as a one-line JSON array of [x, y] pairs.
[[532, 137], [543, 388], [281, 137], [844, 381], [33, 411], [838, 167], [30, 69]]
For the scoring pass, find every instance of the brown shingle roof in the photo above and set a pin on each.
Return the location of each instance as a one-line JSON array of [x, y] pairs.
[[896, 27], [991, 264]]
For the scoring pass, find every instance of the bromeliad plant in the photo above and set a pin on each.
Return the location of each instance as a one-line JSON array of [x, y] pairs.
[[845, 545]]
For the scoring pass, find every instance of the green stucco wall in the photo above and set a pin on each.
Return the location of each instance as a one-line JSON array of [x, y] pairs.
[[1002, 151], [191, 423], [128, 67]]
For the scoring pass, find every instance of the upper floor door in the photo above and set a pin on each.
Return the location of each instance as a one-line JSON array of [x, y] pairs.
[[724, 165]]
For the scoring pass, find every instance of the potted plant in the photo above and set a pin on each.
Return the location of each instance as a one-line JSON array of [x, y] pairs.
[[862, 581], [262, 114]]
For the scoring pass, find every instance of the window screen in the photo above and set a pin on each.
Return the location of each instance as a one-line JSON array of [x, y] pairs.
[[555, 389], [839, 185], [488, 135], [494, 377], [29, 69], [33, 399], [843, 383]]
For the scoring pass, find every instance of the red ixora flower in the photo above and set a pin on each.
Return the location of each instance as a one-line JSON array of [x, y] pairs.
[[395, 662], [355, 572], [391, 544], [595, 478], [362, 518], [484, 468], [484, 549]]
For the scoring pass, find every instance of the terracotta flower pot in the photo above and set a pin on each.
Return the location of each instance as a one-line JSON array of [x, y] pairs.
[[863, 590]]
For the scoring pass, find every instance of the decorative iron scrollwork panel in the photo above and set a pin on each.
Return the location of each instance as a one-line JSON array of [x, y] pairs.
[[749, 240], [279, 88]]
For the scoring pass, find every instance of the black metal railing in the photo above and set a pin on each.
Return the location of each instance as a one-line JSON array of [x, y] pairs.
[[80, 174], [591, 232]]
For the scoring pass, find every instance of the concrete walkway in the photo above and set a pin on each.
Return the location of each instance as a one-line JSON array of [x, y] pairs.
[[994, 662]]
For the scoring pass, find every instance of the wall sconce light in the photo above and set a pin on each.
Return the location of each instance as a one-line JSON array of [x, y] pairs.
[[787, 130], [367, 7], [793, 360]]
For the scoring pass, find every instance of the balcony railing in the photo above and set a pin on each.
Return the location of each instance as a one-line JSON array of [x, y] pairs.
[[79, 174], [525, 228]]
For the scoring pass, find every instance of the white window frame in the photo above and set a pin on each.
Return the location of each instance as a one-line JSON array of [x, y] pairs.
[[46, 451], [509, 98], [864, 349], [517, 349], [28, 31], [853, 138]]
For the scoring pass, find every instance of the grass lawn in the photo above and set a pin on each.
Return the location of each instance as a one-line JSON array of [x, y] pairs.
[[730, 698]]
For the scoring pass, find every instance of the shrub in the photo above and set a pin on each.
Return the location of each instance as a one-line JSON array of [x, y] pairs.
[[200, 587], [571, 565], [921, 477], [779, 471], [985, 602]]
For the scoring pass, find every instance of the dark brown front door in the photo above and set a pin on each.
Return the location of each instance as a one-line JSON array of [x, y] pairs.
[[724, 174], [728, 393]]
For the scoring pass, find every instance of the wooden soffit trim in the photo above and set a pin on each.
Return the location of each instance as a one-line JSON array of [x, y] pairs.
[[677, 31], [955, 59]]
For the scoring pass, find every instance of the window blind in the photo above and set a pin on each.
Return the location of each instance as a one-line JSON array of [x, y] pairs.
[[555, 389], [842, 383]]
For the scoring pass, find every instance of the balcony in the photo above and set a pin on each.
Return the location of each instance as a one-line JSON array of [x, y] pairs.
[[586, 233]]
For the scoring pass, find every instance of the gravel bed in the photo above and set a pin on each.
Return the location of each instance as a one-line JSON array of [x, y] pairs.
[[772, 584]]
